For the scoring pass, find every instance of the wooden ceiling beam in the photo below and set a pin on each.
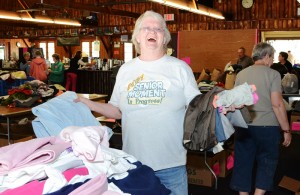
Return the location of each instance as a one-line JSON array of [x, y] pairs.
[[25, 6], [97, 8]]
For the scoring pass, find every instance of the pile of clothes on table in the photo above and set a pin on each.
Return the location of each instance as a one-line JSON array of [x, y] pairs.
[[30, 93], [71, 155]]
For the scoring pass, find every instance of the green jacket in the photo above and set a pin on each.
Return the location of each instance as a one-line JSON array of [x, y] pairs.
[[57, 72]]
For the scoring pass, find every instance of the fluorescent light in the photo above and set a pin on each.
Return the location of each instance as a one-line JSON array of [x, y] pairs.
[[9, 15], [64, 21], [176, 5], [216, 16], [209, 11], [191, 6], [158, 1], [41, 19], [37, 19], [197, 11]]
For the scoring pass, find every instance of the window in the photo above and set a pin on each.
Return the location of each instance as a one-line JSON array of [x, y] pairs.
[[284, 41], [292, 45], [85, 49], [128, 51], [43, 45], [91, 49], [48, 50]]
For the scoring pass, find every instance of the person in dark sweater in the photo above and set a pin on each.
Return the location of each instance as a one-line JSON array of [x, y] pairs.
[[75, 62], [280, 68], [282, 58]]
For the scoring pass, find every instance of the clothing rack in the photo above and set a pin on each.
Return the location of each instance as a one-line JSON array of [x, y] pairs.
[[211, 170], [207, 162]]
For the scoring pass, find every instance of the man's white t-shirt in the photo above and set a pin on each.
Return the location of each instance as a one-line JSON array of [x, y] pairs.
[[152, 97]]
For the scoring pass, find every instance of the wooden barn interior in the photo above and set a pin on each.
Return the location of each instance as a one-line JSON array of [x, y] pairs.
[[205, 33], [199, 34]]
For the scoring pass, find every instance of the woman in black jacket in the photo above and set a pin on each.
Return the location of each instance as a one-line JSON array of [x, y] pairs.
[[75, 62]]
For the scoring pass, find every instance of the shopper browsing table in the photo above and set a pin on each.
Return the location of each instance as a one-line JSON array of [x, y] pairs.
[[25, 63], [38, 67], [56, 71]]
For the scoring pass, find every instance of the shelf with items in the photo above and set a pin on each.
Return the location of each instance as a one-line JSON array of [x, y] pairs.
[[66, 32]]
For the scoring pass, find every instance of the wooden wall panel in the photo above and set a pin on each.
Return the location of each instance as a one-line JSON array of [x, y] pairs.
[[271, 10], [214, 48]]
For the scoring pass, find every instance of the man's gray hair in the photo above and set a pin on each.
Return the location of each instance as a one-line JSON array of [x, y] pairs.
[[262, 49]]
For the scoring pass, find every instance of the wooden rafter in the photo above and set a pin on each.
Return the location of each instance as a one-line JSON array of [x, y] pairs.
[[100, 8], [25, 6]]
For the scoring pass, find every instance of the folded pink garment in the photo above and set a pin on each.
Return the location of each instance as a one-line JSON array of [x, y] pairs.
[[32, 188], [86, 141], [32, 152], [36, 187], [70, 173]]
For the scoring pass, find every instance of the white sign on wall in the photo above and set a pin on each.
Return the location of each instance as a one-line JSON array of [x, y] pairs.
[[96, 45]]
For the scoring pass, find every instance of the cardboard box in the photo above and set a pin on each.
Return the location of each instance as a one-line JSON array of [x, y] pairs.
[[197, 171], [290, 184], [200, 176], [295, 117], [295, 122]]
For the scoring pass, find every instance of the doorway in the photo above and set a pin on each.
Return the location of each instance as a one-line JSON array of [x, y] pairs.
[[284, 41]]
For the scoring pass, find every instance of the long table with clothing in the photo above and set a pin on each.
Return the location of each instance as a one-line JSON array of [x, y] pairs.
[[10, 113]]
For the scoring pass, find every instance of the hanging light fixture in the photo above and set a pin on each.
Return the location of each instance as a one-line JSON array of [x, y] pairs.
[[177, 4], [66, 21], [158, 1], [9, 15], [191, 6], [37, 19]]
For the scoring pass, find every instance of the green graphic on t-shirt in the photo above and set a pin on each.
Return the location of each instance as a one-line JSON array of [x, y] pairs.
[[147, 93]]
